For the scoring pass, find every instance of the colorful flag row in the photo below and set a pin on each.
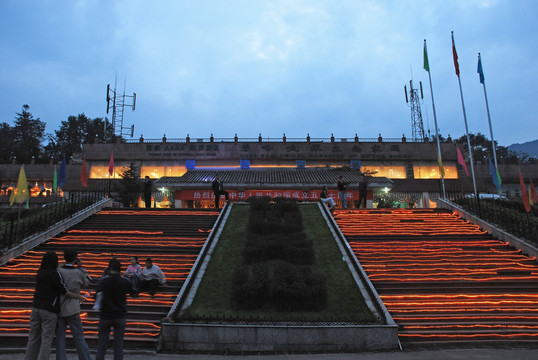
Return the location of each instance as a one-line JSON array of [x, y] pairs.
[[528, 199], [21, 193]]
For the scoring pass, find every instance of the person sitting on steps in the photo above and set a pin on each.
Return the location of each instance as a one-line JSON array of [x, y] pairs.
[[326, 199], [152, 278]]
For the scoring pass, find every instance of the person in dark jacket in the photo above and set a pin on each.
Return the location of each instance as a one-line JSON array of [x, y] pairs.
[[342, 185], [147, 191], [45, 307], [218, 189], [363, 190], [114, 289]]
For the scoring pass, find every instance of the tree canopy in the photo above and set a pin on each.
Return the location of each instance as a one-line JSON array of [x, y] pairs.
[[26, 138], [75, 132], [129, 186], [482, 149]]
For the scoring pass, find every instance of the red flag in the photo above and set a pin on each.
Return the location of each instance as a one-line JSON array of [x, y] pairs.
[[461, 160], [111, 164], [83, 174], [524, 193], [534, 197], [455, 55]]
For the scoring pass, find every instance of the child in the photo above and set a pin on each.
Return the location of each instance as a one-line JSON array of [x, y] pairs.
[[133, 272]]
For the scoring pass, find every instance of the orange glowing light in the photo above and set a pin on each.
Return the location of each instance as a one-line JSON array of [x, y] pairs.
[[406, 253], [175, 255], [114, 232]]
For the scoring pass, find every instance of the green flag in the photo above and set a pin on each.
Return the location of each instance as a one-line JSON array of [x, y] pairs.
[[54, 181], [426, 62]]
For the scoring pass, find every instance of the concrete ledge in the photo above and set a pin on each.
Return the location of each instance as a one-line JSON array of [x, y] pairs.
[[277, 338], [35, 240], [526, 247]]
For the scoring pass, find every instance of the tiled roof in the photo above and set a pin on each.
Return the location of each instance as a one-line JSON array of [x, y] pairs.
[[272, 178]]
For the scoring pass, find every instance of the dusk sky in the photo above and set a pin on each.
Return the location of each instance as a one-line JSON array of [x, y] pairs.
[[273, 67]]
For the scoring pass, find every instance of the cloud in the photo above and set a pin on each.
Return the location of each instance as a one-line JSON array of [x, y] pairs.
[[277, 66]]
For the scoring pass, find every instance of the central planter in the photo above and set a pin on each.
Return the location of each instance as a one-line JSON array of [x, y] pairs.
[[202, 319]]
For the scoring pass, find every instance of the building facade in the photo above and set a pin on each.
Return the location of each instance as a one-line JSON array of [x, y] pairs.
[[182, 169]]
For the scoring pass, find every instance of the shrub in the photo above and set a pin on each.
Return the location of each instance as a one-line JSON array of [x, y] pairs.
[[277, 258], [296, 288], [283, 205], [259, 203], [250, 286], [300, 253]]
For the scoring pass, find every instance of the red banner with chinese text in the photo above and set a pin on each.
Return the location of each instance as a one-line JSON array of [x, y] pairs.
[[309, 195]]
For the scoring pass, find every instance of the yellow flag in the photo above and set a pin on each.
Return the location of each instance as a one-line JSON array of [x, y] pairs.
[[12, 197], [22, 194], [440, 162]]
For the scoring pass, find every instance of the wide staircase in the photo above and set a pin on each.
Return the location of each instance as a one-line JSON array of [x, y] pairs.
[[443, 279], [172, 238]]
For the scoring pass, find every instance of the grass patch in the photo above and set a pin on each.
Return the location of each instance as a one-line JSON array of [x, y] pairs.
[[213, 299]]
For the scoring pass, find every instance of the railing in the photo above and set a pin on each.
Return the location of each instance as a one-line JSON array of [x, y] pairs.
[[17, 225], [175, 311], [368, 286], [261, 139], [505, 214]]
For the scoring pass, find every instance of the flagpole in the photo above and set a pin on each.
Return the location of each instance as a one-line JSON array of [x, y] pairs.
[[464, 116], [483, 81], [436, 128]]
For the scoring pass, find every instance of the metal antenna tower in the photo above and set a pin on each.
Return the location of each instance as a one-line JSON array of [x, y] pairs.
[[413, 100], [118, 103]]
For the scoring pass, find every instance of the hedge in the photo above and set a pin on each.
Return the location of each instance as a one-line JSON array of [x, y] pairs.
[[276, 270]]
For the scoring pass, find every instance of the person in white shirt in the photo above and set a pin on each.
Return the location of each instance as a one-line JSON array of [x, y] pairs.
[[75, 278], [152, 277]]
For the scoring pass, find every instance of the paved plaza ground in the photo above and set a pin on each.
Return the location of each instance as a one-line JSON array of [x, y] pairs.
[[523, 353]]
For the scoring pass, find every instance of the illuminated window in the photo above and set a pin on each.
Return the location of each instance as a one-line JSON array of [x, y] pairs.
[[158, 171], [101, 171], [432, 172], [388, 171]]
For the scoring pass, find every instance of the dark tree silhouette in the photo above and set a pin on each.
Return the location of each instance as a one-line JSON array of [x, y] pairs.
[[129, 187], [27, 135]]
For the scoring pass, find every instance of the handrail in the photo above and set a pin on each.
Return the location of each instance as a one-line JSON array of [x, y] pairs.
[[16, 228], [382, 310]]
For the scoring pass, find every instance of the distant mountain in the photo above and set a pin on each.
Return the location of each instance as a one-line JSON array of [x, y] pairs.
[[530, 147]]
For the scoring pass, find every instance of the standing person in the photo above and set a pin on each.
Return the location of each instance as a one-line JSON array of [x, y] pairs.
[[326, 199], [342, 191], [152, 277], [363, 187], [45, 308], [75, 278], [147, 191], [218, 189], [114, 289], [134, 272]]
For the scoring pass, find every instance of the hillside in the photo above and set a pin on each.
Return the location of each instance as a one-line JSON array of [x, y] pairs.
[[530, 147]]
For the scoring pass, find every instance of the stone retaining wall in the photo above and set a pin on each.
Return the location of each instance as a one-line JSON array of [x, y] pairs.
[[277, 338]]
